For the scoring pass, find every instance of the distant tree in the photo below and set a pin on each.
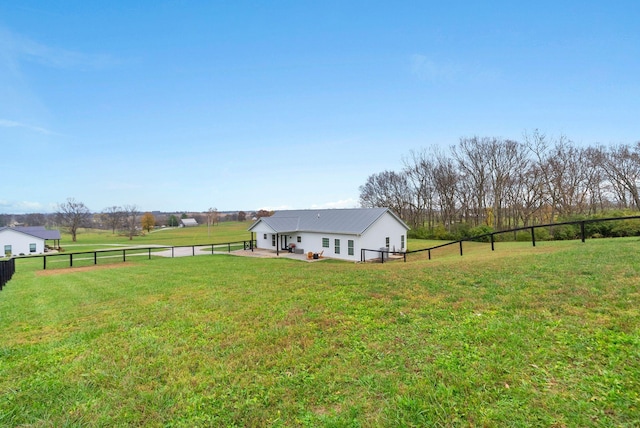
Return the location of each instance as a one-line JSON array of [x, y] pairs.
[[173, 221], [73, 215], [242, 216], [264, 213], [35, 219], [5, 219], [112, 217], [131, 223], [148, 221]]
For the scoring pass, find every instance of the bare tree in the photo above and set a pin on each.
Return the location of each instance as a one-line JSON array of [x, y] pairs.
[[472, 156], [419, 171], [621, 164], [387, 189], [73, 215], [113, 217], [446, 187], [131, 220]]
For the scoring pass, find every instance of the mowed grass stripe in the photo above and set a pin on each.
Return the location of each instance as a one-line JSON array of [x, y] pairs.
[[521, 336]]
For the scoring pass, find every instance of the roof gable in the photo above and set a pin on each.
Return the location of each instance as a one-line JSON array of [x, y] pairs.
[[353, 221]]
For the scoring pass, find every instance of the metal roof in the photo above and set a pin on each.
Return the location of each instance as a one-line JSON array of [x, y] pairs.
[[352, 221], [37, 231]]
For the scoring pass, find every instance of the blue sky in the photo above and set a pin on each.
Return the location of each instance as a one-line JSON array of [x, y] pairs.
[[237, 105]]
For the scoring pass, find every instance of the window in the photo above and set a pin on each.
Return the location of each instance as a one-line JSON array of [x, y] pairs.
[[265, 236], [32, 248], [7, 250], [350, 247], [402, 242], [273, 240], [337, 246], [325, 242], [386, 242], [299, 239]]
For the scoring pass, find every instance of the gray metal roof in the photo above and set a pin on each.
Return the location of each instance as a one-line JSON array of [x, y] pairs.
[[352, 221], [37, 231]]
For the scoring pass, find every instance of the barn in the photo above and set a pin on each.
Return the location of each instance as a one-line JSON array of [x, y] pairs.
[[335, 233]]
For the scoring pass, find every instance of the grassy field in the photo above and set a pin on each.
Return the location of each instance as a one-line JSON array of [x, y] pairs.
[[544, 336], [92, 239]]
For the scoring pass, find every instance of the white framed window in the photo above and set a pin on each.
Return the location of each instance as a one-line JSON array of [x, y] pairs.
[[32, 248], [402, 242], [7, 250], [299, 239], [337, 246], [325, 242], [273, 240], [350, 250], [386, 242]]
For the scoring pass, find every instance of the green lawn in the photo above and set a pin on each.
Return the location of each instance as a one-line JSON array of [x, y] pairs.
[[544, 336], [92, 239]]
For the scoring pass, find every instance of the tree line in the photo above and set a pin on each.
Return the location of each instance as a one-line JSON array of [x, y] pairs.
[[502, 183]]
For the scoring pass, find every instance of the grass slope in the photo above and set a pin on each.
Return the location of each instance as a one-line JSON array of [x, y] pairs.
[[546, 336]]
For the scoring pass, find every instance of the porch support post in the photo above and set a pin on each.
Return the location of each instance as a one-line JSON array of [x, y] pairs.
[[277, 245]]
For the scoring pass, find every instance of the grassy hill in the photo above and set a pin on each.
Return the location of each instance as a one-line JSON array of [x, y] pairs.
[[546, 336]]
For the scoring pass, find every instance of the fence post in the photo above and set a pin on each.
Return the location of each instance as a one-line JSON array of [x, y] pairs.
[[429, 253], [582, 230], [533, 236], [229, 244], [95, 257], [44, 263], [460, 247], [171, 252], [124, 256], [70, 259], [492, 248], [149, 253]]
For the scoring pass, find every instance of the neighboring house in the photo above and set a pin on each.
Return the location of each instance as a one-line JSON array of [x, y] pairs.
[[336, 233], [188, 222], [16, 241]]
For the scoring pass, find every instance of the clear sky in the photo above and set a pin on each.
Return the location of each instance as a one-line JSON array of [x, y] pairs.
[[243, 105]]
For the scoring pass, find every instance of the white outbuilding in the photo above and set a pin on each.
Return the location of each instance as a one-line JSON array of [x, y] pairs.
[[18, 241], [336, 233]]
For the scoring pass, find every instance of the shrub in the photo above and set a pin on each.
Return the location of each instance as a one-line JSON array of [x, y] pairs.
[[565, 232], [481, 230], [625, 228]]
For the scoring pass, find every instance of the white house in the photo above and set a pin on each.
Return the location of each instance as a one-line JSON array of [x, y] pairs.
[[16, 241], [336, 233]]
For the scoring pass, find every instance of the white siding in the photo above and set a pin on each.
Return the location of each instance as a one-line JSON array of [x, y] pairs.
[[20, 243], [385, 227]]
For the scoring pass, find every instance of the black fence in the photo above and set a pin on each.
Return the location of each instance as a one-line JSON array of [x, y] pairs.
[[86, 258], [384, 254], [7, 269]]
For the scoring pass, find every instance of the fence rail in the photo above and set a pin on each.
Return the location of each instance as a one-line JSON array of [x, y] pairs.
[[492, 235], [92, 257], [7, 269], [384, 254]]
